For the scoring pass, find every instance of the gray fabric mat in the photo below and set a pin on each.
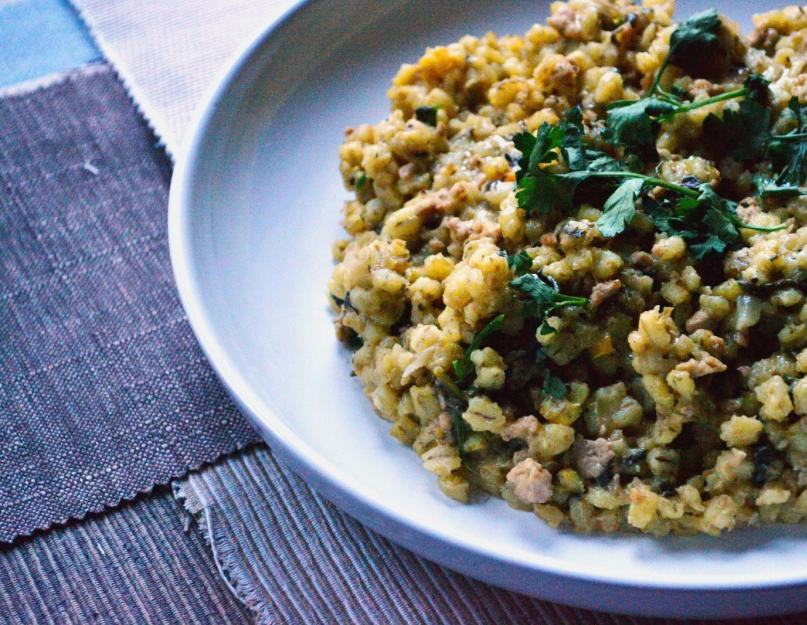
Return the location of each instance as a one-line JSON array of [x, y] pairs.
[[103, 390], [295, 559], [133, 566]]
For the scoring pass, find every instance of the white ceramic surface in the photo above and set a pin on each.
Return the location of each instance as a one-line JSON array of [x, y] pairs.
[[254, 209]]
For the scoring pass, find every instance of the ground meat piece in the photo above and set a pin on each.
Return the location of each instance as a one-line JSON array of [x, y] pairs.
[[477, 228], [530, 482], [705, 365], [603, 291], [549, 239], [521, 428], [592, 457], [642, 260], [698, 321]]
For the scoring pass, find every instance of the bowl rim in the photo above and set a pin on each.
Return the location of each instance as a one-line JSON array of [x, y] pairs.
[[331, 480]]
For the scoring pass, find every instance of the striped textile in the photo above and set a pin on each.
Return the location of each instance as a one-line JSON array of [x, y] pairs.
[[295, 559], [137, 565], [104, 391]]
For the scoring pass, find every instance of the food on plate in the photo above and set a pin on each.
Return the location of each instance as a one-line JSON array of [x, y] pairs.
[[576, 268]]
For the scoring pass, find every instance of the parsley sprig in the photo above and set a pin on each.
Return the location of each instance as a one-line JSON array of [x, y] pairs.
[[540, 190], [636, 123], [543, 298], [701, 216], [714, 225], [706, 221], [788, 152]]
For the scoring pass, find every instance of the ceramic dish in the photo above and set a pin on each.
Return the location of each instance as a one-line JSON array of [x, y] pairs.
[[254, 206]]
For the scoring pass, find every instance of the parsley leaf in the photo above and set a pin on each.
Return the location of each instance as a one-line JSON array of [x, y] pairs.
[[789, 151], [693, 40], [636, 123], [361, 180], [543, 192], [620, 207], [544, 298], [696, 36], [463, 367], [520, 263], [744, 133], [537, 189], [708, 222], [427, 115]]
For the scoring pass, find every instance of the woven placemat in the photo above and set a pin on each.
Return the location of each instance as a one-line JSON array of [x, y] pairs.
[[103, 390], [295, 559]]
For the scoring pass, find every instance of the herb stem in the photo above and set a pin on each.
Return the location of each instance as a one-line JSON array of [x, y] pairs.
[[451, 387], [659, 74], [799, 136], [729, 95], [741, 224], [658, 182]]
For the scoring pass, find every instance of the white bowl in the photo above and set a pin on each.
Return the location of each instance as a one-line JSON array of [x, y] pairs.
[[254, 209]]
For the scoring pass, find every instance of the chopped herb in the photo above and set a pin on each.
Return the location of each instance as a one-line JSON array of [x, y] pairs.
[[620, 207], [764, 456], [554, 386], [605, 477], [520, 263], [354, 341], [454, 402], [634, 457], [463, 367], [344, 303], [427, 115], [544, 298], [361, 180]]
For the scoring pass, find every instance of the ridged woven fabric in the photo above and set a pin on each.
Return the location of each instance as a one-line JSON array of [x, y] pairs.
[[168, 52], [133, 566], [103, 390], [294, 559]]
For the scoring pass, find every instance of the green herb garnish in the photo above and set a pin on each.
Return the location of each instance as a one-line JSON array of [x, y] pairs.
[[620, 207], [554, 386], [744, 133], [427, 115], [361, 180], [544, 299], [520, 263], [694, 38], [537, 189], [636, 123], [789, 152], [463, 367], [705, 220], [454, 403]]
